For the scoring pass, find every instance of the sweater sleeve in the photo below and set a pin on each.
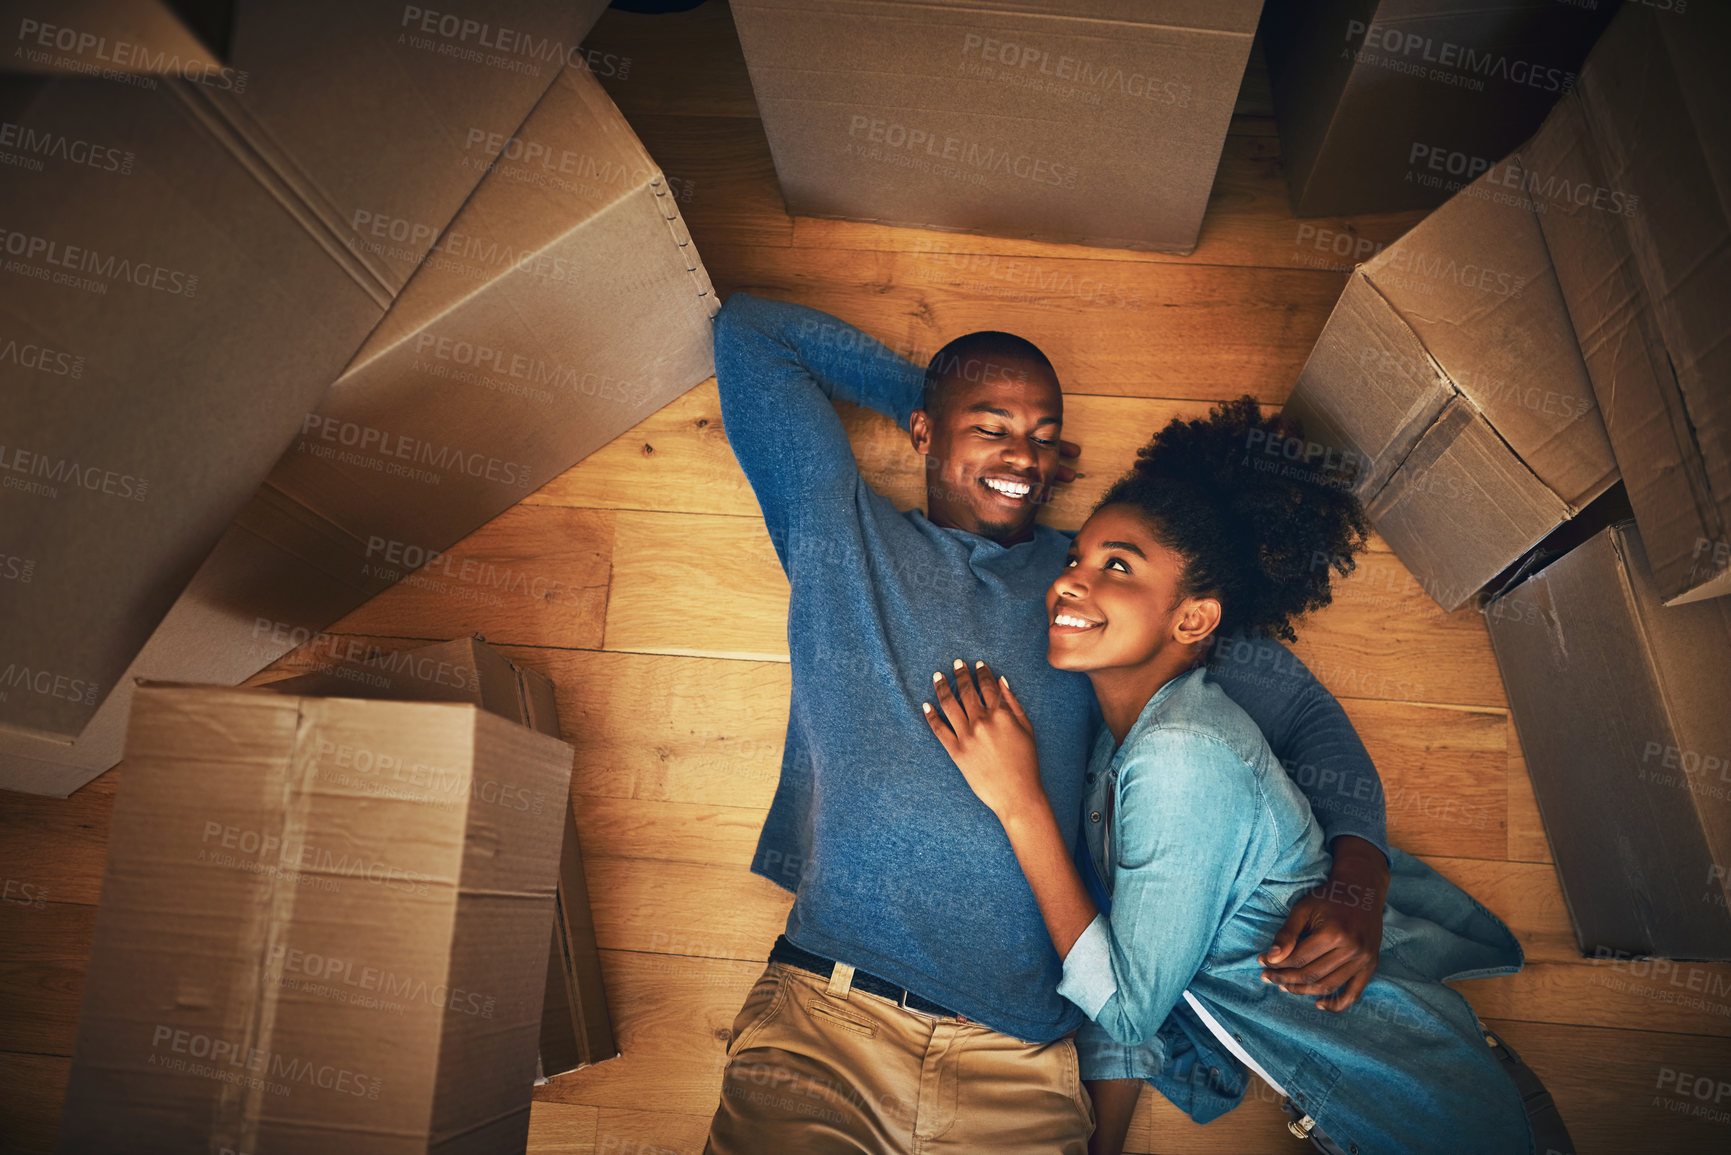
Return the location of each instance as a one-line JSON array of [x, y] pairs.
[[778, 367], [1309, 733]]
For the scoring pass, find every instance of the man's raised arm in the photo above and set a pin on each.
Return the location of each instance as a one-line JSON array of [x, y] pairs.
[[1331, 942], [778, 367]]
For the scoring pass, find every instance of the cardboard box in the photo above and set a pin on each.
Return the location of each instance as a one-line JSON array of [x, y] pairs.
[[1634, 179], [117, 38], [1620, 705], [576, 1029], [564, 304], [187, 267], [1448, 374], [1396, 104], [323, 928], [1093, 121]]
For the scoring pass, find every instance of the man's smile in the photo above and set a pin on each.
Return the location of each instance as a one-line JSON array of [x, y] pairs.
[[1014, 490]]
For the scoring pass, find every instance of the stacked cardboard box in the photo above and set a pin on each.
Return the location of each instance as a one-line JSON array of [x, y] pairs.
[[576, 1029], [1396, 104], [191, 264], [1615, 655], [1093, 121], [1449, 376], [1620, 705], [118, 38], [324, 927], [1556, 323], [1634, 179], [559, 307]]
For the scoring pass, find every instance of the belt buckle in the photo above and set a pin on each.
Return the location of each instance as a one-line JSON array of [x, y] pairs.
[[903, 1003]]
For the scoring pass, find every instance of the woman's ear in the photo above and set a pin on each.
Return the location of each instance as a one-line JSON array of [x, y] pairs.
[[1197, 618]]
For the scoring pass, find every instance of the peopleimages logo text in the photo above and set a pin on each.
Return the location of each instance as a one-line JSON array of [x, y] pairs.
[[66, 471], [49, 684], [125, 56], [1397, 42], [982, 157], [58, 146], [365, 438], [111, 266]]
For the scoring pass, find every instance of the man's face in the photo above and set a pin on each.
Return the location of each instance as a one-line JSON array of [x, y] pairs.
[[992, 449]]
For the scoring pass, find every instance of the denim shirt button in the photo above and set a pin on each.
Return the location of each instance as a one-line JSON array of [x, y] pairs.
[[1094, 817], [1089, 778]]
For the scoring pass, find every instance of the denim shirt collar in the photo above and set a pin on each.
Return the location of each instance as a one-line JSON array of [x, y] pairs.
[[1146, 718]]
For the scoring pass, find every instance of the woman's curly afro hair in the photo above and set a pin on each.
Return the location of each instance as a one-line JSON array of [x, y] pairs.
[[1259, 523]]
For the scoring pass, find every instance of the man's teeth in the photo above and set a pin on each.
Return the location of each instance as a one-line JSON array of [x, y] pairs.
[[1011, 488], [1073, 620]]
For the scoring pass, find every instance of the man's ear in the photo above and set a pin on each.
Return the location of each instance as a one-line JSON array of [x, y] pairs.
[[1198, 619], [920, 432]]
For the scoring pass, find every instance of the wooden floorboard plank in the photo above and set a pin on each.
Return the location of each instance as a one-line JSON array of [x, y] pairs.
[[53, 849], [1443, 772], [30, 1109], [1682, 999], [1135, 329], [561, 1129], [681, 729], [681, 908], [636, 1132], [42, 961], [1527, 841], [698, 585]]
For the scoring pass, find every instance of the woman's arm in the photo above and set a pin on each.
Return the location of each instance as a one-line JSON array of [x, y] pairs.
[[1332, 940], [991, 740], [1114, 1107], [1051, 872], [1187, 805]]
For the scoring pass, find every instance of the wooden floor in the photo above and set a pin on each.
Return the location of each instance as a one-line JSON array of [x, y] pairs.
[[673, 675]]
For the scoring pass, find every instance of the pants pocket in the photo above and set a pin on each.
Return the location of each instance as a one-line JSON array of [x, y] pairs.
[[760, 1007], [827, 1014], [1073, 1076]]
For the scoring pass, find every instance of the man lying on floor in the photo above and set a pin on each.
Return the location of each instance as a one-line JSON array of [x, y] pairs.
[[912, 1003]]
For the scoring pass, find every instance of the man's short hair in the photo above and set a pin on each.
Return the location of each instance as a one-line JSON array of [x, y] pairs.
[[986, 355]]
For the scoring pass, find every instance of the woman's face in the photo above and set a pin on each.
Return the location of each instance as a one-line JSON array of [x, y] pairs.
[[1117, 600]]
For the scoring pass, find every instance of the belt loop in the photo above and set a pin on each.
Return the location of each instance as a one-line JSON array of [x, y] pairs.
[[840, 981]]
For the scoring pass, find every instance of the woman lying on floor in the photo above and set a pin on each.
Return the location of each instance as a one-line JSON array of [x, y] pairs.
[[1197, 841]]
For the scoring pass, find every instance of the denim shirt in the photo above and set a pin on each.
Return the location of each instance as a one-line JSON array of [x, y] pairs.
[[1201, 844]]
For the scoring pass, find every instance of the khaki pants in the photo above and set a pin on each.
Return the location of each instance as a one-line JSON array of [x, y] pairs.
[[816, 1068]]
